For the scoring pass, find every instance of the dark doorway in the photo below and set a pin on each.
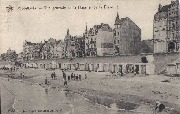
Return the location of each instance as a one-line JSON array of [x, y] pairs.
[[171, 47], [116, 49]]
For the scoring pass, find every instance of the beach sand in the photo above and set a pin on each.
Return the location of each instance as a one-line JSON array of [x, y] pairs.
[[136, 93]]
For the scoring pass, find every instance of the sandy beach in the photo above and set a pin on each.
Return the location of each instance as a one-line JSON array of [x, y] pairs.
[[135, 94]]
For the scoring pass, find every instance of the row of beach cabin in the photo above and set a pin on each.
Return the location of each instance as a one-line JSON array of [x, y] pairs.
[[138, 68]]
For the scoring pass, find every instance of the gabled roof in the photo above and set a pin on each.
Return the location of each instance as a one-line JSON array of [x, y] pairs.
[[164, 8]]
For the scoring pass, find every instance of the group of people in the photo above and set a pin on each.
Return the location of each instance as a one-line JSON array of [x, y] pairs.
[[72, 76], [53, 76]]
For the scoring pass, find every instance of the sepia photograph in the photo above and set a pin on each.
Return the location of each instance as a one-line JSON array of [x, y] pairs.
[[89, 57]]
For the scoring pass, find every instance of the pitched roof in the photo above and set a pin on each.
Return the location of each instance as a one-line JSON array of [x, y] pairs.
[[164, 8]]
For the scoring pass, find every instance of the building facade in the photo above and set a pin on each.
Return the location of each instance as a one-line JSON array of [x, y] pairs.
[[127, 36], [50, 49], [31, 51], [80, 46], [99, 40], [59, 49], [10, 55], [166, 28]]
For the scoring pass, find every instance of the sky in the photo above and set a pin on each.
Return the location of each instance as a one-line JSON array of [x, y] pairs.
[[38, 25]]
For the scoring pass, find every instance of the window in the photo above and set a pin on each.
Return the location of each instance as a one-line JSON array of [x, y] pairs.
[[114, 33]]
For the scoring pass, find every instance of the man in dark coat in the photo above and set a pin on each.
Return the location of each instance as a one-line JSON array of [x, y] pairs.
[[64, 75], [160, 106]]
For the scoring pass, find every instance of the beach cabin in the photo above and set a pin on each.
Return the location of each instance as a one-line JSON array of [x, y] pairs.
[[86, 67], [82, 67], [68, 66], [74, 66], [59, 65], [150, 68], [91, 67], [171, 69], [143, 69], [100, 67], [114, 68], [130, 68], [178, 67], [96, 66], [53, 65], [136, 68], [41, 65], [106, 67], [124, 69]]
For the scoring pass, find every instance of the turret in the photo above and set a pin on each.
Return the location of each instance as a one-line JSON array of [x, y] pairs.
[[67, 31], [117, 21], [159, 9]]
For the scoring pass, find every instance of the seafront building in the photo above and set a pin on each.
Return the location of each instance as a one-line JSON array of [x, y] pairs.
[[10, 55], [52, 48], [127, 36], [99, 40], [80, 46], [166, 28], [31, 51]]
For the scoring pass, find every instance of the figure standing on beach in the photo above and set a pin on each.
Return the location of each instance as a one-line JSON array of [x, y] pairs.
[[71, 75], [23, 74], [46, 82], [79, 77], [74, 77], [85, 76], [69, 78], [64, 75], [65, 82], [52, 76], [46, 91]]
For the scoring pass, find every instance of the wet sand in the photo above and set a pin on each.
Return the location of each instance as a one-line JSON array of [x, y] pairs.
[[7, 100]]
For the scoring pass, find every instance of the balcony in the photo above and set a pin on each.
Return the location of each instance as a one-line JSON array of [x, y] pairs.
[[92, 42]]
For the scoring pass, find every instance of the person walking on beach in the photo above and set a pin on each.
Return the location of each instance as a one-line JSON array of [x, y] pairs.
[[71, 75], [65, 82], [79, 77], [23, 74], [69, 78], [46, 82], [74, 77], [52, 76], [85, 76]]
